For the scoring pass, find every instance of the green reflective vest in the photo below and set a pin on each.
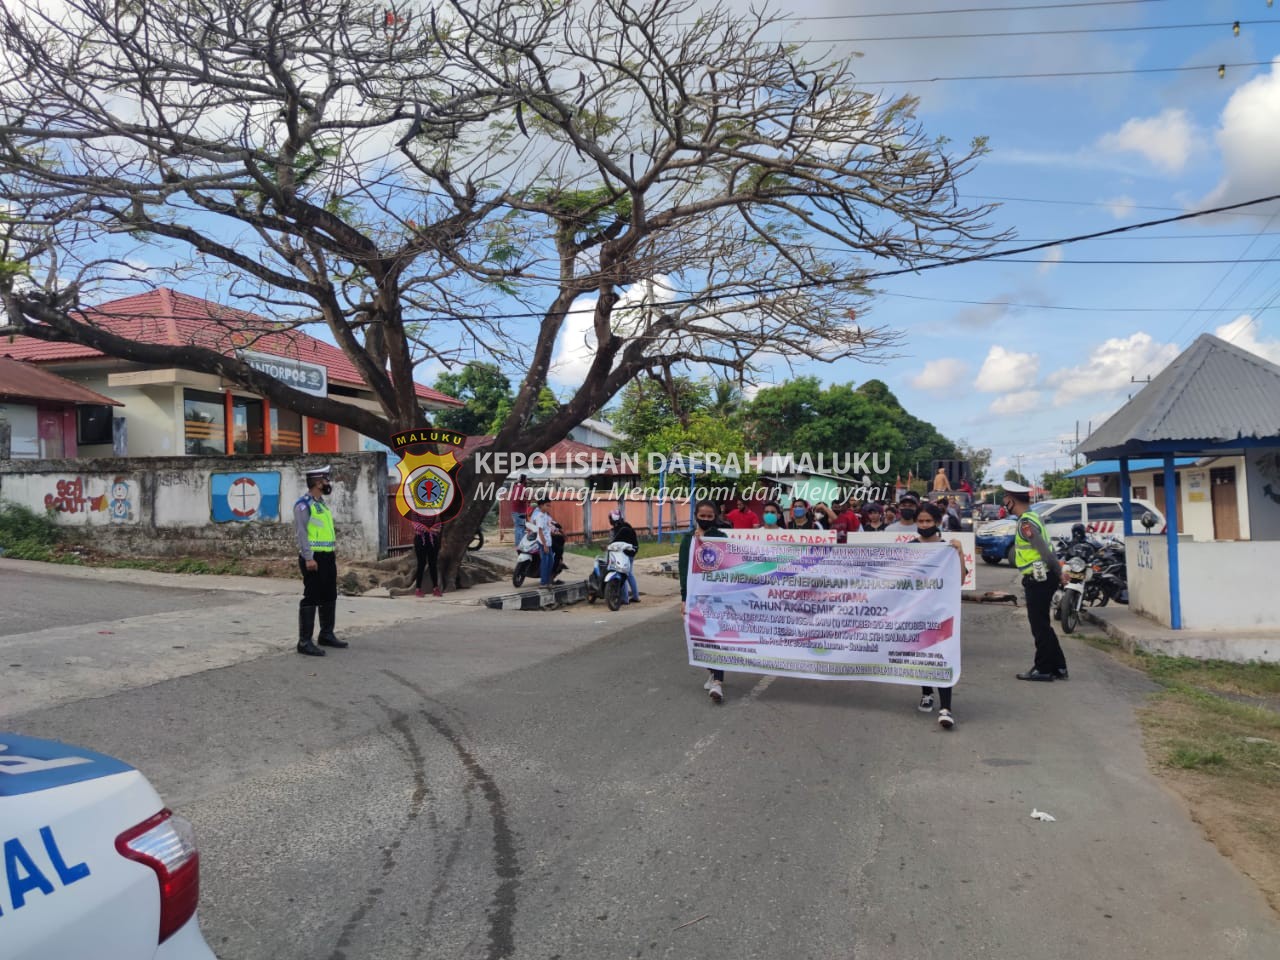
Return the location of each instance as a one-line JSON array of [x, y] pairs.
[[1024, 554], [320, 532]]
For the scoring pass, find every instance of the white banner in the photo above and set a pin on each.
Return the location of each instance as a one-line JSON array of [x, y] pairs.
[[779, 535], [887, 613], [966, 541]]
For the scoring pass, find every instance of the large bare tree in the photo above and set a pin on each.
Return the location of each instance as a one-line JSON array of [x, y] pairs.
[[443, 182]]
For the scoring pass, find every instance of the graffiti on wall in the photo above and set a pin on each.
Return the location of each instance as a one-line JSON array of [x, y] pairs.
[[80, 495]]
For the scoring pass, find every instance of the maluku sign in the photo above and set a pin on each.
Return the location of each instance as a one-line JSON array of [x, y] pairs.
[[308, 377]]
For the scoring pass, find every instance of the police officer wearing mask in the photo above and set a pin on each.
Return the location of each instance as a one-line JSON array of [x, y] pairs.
[[1041, 575], [317, 543]]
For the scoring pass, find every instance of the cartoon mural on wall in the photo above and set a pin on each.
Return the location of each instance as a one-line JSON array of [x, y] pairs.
[[91, 496]]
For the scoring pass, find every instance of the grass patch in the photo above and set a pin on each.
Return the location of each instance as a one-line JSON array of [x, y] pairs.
[[1213, 734], [647, 549]]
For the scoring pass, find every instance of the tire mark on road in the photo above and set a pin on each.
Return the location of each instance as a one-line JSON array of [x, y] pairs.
[[506, 861], [417, 800]]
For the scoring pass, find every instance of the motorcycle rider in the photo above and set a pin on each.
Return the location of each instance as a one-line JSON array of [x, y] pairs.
[[625, 533], [1041, 574]]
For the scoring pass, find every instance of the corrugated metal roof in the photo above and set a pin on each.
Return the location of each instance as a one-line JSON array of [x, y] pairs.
[[168, 317], [25, 381], [1102, 468], [1214, 392]]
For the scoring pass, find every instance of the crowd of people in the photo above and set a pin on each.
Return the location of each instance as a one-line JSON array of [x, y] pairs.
[[851, 516]]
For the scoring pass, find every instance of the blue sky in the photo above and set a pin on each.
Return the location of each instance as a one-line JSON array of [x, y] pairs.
[[1076, 155]]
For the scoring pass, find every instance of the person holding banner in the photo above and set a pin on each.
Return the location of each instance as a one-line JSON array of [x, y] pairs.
[[929, 530], [705, 516]]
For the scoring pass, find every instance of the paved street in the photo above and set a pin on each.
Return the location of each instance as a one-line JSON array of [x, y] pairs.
[[468, 783]]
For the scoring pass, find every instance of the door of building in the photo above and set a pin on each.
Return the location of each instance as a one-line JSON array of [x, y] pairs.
[[1226, 507], [50, 433]]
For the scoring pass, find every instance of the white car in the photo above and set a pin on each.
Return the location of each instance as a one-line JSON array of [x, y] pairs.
[[1101, 516], [94, 865]]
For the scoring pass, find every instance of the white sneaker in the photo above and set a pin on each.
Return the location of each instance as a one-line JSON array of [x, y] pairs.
[[926, 703], [710, 681], [946, 720], [716, 693]]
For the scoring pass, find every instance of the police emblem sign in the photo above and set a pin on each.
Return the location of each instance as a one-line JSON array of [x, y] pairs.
[[428, 490]]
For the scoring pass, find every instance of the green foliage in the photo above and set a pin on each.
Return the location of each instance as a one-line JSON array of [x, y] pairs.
[[803, 417], [546, 408], [1193, 758], [705, 433], [1013, 476], [486, 393], [647, 406], [18, 524], [979, 460], [1059, 486]]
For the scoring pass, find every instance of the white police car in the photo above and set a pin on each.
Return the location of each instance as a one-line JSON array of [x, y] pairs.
[[94, 865]]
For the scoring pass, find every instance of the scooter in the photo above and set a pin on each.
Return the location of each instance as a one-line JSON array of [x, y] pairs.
[[609, 575], [1070, 598], [529, 560]]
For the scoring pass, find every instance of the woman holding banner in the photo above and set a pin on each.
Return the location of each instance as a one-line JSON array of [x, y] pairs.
[[705, 516], [929, 530]]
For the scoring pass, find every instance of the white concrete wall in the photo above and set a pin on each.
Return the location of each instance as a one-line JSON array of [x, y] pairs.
[[24, 429], [1197, 515], [76, 497], [1224, 585], [1147, 566]]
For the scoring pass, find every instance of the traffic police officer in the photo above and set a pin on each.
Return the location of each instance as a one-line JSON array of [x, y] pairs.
[[317, 541], [1041, 574]]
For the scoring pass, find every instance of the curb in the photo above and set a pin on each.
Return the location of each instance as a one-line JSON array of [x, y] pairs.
[[539, 598]]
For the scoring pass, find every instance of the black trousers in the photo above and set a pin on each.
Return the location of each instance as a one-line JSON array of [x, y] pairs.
[[428, 551], [944, 696], [319, 586], [1049, 656]]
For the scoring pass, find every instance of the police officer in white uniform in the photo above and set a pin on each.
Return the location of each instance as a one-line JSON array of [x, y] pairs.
[[1041, 575]]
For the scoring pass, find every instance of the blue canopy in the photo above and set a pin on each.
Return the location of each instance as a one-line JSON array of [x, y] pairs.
[[1103, 467]]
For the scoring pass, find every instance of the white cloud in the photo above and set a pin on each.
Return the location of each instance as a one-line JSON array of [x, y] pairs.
[[576, 345], [1166, 140], [1112, 366], [1020, 401], [1005, 371], [1243, 332], [1052, 256], [940, 376], [1121, 207], [1249, 138]]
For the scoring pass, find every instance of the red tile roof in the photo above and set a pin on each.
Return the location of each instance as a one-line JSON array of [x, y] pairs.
[[165, 316], [25, 381]]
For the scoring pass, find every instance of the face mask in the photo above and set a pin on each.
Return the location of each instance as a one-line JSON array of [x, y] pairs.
[[907, 515], [798, 512], [327, 489], [705, 525], [926, 534], [771, 518]]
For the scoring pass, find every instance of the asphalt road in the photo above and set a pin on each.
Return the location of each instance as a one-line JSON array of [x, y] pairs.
[[556, 785]]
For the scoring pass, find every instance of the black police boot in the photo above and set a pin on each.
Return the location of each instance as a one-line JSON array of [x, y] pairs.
[[327, 639], [306, 625]]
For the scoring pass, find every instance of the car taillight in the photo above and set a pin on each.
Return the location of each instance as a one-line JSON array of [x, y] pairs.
[[167, 844]]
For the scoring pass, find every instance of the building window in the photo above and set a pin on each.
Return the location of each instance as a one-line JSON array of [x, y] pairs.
[[246, 413], [93, 423], [206, 423], [286, 431]]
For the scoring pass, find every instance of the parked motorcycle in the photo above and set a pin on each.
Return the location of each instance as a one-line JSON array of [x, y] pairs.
[[1070, 598], [609, 575], [529, 560]]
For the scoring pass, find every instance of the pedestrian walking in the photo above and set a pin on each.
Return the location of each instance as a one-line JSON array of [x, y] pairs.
[[543, 525], [1041, 574], [929, 530], [317, 545], [426, 546], [705, 525]]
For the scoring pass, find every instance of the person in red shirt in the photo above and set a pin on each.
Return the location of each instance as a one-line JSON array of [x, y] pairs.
[[846, 521], [742, 517], [520, 506]]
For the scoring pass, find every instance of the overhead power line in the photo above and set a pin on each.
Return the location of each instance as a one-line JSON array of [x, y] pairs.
[[921, 268], [929, 13], [1223, 25], [1052, 306], [1215, 67]]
